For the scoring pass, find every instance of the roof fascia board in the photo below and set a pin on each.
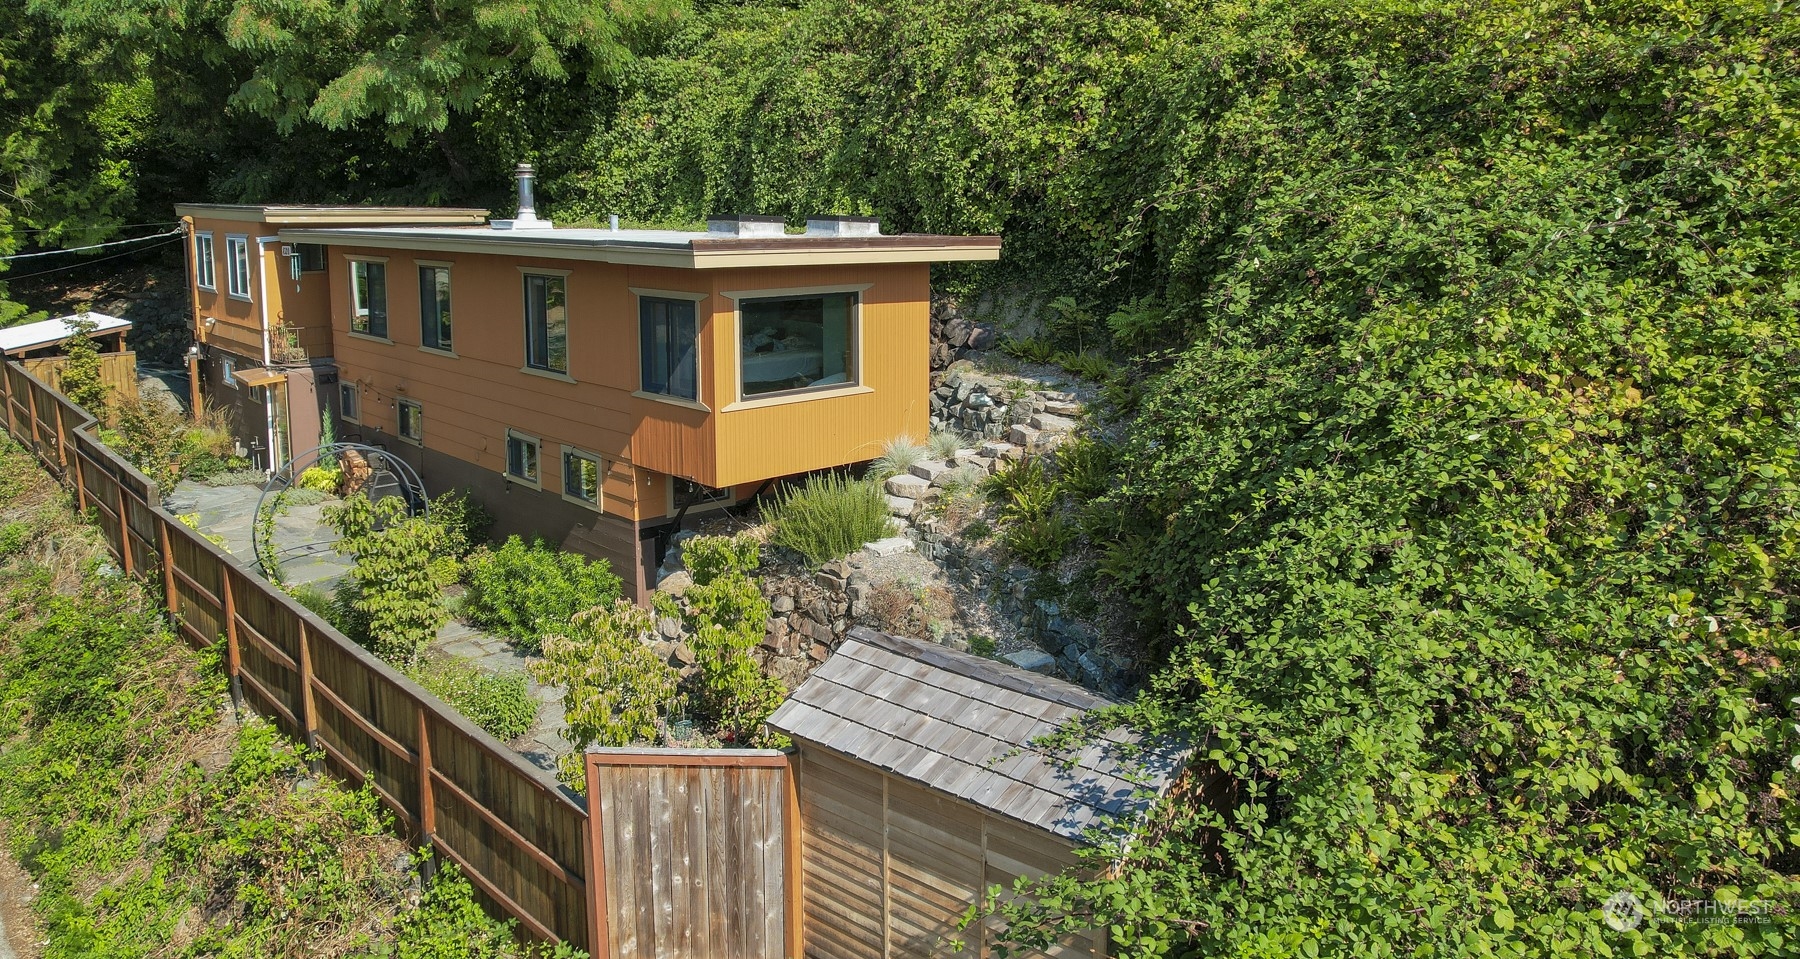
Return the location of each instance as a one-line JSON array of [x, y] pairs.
[[290, 216], [648, 255]]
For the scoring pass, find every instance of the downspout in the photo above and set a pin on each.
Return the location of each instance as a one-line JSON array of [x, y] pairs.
[[193, 355], [262, 308]]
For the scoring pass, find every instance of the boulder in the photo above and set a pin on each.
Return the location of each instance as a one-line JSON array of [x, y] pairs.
[[669, 627], [908, 486], [1034, 660], [901, 506], [928, 470], [980, 338], [892, 546], [1050, 422], [782, 603]]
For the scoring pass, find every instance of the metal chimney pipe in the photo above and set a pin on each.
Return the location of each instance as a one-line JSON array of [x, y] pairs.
[[527, 201]]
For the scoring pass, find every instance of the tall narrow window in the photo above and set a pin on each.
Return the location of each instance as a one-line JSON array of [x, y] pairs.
[[237, 266], [203, 262], [797, 343], [546, 324], [368, 298], [581, 476], [670, 354], [522, 457], [434, 307], [412, 420], [312, 257], [349, 402]]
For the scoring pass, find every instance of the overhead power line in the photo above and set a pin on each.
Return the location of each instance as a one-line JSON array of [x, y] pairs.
[[9, 277], [96, 246]]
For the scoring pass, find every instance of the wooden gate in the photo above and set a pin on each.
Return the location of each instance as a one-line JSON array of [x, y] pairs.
[[696, 853]]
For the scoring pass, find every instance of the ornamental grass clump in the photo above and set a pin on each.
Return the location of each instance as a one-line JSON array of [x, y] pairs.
[[898, 455], [829, 517]]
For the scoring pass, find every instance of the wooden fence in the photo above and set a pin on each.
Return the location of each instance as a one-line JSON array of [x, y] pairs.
[[518, 837], [696, 852], [118, 371]]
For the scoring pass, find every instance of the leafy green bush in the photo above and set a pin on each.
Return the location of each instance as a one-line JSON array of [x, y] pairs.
[[390, 602], [523, 591], [500, 703], [726, 618], [1031, 349], [320, 478], [465, 521], [898, 455], [13, 536], [829, 517], [79, 377], [1085, 467], [1034, 528], [617, 691], [709, 557]]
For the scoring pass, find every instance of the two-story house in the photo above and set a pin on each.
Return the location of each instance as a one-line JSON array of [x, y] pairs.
[[596, 385]]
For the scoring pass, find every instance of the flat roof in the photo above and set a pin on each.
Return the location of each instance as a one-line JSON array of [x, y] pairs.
[[690, 249], [32, 336], [323, 214]]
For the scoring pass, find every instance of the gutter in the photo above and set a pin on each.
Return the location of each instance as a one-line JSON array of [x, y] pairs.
[[262, 308]]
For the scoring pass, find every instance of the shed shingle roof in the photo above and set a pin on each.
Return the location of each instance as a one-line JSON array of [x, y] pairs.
[[964, 725]]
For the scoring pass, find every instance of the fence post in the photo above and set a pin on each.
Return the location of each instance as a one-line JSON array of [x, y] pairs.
[[171, 599], [12, 429], [231, 640], [80, 482], [309, 714], [599, 931], [427, 803], [62, 454], [124, 526]]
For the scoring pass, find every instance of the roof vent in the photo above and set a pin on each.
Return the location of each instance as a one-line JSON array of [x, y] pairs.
[[527, 218], [842, 226], [746, 225]]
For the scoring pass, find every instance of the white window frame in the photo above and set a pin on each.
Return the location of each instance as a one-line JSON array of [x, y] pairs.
[[228, 371], [206, 267], [237, 253], [599, 500], [354, 392], [537, 445], [728, 500], [418, 409]]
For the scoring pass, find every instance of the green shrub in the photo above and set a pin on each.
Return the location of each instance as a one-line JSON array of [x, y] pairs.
[[898, 455], [708, 557], [78, 377], [1030, 349], [500, 703], [1084, 467], [1033, 528], [315, 599], [829, 517], [237, 477], [977, 530], [523, 591], [726, 618], [616, 690], [983, 645], [320, 478], [13, 536], [1088, 366], [390, 601], [465, 522]]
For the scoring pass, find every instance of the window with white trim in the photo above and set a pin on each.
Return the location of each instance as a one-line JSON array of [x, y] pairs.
[[546, 323], [368, 298], [228, 371], [522, 457], [350, 402], [237, 266], [204, 264], [582, 473], [434, 308], [412, 420]]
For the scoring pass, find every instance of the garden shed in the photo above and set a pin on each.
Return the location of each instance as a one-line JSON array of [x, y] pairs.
[[919, 788]]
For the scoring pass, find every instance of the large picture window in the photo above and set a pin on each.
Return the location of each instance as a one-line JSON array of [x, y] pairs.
[[204, 277], [434, 307], [795, 343], [546, 323], [669, 351], [368, 296]]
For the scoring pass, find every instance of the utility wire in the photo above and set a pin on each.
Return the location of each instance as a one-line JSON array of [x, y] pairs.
[[96, 246], [9, 277], [102, 226]]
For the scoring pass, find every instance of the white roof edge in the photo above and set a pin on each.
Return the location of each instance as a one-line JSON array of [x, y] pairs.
[[30, 336]]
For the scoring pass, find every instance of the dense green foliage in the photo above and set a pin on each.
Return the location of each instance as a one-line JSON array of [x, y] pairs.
[[391, 602], [828, 517], [152, 822], [615, 689], [725, 615], [1452, 348], [523, 590], [500, 703]]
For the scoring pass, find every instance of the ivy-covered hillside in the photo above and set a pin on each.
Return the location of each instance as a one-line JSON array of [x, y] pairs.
[[1456, 508]]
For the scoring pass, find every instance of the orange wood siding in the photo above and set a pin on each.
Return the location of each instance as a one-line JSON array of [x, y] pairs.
[[238, 326], [895, 337], [470, 399]]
